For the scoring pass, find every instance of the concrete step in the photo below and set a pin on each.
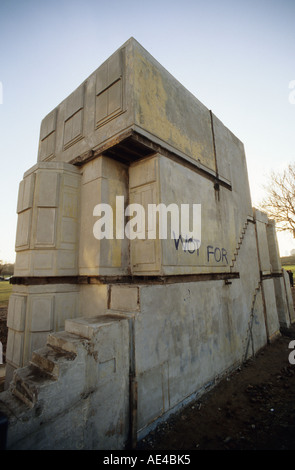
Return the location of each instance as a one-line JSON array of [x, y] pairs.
[[117, 313], [27, 382], [87, 327], [50, 360], [239, 245], [65, 341]]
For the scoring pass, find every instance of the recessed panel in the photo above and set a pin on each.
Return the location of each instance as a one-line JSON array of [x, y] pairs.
[[47, 135], [73, 130], [109, 89], [23, 230], [47, 183], [45, 233], [73, 125], [41, 312], [26, 192]]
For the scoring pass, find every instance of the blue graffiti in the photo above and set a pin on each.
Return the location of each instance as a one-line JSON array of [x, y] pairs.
[[219, 254], [192, 245], [189, 245]]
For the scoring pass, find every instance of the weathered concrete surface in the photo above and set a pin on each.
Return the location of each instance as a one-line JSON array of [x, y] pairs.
[[73, 385], [108, 335], [158, 180], [274, 252], [48, 214], [289, 297], [166, 110], [93, 114], [33, 312], [199, 331], [130, 90], [102, 179]]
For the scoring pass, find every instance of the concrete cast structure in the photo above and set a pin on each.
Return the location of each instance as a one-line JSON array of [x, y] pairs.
[[107, 336]]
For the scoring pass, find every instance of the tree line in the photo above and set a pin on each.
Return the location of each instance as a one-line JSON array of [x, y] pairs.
[[6, 269]]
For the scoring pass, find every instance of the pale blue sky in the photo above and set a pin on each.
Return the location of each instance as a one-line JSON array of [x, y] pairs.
[[236, 57]]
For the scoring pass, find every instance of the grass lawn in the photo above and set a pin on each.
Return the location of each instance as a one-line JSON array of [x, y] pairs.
[[5, 291]]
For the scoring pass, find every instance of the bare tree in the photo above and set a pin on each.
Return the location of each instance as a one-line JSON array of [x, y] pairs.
[[6, 269], [279, 202]]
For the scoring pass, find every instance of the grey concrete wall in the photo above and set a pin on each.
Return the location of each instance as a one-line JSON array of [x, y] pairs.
[[160, 180], [232, 165], [289, 297], [196, 333], [131, 91], [185, 337], [142, 346], [282, 302], [186, 342]]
